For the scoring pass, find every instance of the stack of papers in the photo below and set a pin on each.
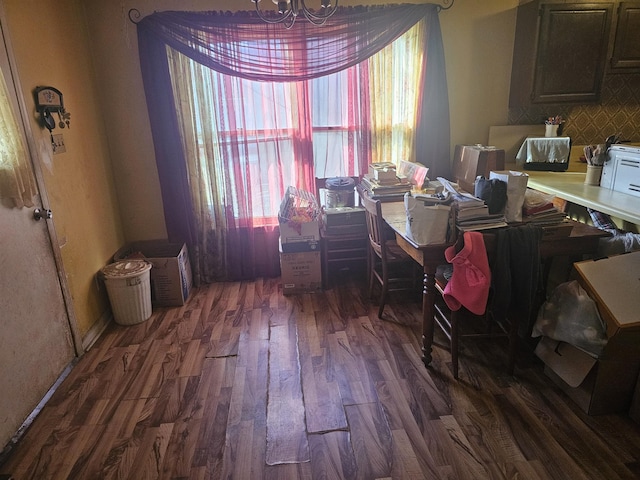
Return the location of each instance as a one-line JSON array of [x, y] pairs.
[[386, 191], [550, 216], [472, 213], [538, 209]]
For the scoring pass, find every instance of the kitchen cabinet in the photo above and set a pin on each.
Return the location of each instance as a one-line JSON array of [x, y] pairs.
[[560, 51], [626, 48]]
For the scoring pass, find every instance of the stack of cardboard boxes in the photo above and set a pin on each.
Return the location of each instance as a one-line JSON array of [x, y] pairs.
[[300, 261]]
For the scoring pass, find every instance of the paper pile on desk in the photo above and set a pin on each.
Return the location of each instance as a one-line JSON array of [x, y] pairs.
[[472, 213]]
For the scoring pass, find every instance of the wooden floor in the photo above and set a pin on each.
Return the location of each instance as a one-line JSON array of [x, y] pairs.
[[245, 383]]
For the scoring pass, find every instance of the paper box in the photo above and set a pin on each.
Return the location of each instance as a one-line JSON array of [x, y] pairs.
[[301, 272], [604, 384], [383, 172], [170, 276], [299, 219], [471, 161]]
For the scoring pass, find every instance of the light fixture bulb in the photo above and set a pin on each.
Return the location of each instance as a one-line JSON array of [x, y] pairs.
[[289, 10]]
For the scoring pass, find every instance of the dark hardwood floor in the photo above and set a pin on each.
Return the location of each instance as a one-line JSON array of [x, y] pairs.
[[245, 383]]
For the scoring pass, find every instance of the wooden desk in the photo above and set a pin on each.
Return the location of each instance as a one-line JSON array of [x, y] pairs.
[[429, 257], [582, 240]]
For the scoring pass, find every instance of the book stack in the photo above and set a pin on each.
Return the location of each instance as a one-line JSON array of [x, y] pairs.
[[470, 218], [382, 182], [472, 213], [543, 214]]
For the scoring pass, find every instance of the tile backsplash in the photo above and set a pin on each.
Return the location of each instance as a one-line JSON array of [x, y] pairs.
[[618, 112]]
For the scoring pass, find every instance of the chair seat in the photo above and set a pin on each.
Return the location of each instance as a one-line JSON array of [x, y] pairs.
[[395, 253]]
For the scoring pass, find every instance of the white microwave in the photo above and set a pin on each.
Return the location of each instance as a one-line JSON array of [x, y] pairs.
[[621, 171]]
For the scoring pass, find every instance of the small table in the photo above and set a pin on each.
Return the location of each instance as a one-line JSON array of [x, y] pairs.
[[545, 153]]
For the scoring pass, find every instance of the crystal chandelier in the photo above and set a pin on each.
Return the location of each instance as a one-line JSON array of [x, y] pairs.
[[289, 10]]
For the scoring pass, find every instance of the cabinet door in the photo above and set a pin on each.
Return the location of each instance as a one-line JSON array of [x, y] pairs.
[[572, 50], [626, 49]]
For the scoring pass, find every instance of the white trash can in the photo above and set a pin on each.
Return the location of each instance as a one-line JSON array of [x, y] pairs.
[[129, 289]]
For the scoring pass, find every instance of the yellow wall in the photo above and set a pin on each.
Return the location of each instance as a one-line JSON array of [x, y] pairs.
[[49, 43], [104, 190]]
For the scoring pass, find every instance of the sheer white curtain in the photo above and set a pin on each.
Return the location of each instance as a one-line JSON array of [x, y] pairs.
[[395, 80]]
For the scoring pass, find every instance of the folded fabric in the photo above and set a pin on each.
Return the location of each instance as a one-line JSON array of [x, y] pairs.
[[471, 278]]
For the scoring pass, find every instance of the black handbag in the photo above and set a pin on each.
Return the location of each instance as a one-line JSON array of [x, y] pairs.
[[493, 192]]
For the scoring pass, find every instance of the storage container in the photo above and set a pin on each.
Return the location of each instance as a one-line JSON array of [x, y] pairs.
[[340, 192], [129, 290]]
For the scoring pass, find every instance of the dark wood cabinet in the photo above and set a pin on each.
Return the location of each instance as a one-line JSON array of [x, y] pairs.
[[560, 52], [626, 48], [342, 252]]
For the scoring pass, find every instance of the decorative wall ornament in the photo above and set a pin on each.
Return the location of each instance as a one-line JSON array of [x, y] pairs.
[[49, 102]]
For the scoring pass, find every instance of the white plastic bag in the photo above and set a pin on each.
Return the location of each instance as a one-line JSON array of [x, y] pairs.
[[426, 224], [516, 188], [571, 316]]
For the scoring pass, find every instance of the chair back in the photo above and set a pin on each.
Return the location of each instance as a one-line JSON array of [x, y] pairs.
[[375, 224]]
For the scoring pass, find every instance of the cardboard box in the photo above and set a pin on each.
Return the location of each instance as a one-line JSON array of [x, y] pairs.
[[471, 161], [604, 384], [299, 219], [310, 245], [170, 276], [292, 232], [301, 272]]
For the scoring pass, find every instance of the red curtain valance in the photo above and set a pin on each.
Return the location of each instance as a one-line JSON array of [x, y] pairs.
[[218, 40]]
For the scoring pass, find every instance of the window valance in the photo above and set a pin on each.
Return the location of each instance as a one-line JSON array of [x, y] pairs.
[[218, 40]]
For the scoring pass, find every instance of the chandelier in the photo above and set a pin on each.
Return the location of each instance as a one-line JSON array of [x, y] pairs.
[[289, 10]]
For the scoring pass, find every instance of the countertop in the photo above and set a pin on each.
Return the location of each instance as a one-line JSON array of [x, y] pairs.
[[570, 186]]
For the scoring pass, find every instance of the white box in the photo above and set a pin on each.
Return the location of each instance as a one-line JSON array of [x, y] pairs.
[[301, 272], [299, 219], [383, 172], [308, 232]]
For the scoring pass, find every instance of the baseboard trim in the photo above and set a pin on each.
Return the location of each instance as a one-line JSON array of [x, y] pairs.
[[96, 330], [8, 448], [88, 341]]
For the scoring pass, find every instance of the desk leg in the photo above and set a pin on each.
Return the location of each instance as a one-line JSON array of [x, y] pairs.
[[428, 310]]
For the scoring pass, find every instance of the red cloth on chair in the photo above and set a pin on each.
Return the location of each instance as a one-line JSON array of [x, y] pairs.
[[471, 278]]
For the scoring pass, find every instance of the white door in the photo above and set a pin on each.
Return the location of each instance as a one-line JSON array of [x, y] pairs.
[[36, 343]]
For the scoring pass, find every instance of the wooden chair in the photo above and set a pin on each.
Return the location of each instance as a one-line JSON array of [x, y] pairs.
[[450, 321], [387, 263], [341, 251]]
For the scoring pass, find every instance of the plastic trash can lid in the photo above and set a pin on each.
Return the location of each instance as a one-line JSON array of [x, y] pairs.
[[126, 268], [340, 183]]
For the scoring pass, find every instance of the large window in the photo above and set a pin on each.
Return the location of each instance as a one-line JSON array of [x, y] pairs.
[[256, 138]]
